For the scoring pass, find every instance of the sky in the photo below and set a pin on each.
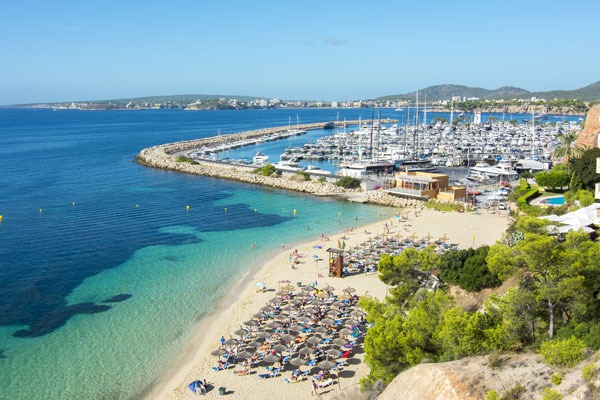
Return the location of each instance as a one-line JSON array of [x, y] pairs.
[[56, 51]]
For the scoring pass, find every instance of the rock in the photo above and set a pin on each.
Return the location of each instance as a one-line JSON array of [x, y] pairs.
[[589, 135]]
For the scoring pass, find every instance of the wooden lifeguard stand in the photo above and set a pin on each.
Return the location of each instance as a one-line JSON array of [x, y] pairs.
[[336, 262]]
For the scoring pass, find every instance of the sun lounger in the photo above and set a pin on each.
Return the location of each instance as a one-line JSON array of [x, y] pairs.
[[326, 383], [274, 372]]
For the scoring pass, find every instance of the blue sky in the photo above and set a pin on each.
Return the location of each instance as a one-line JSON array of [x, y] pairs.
[[326, 50]]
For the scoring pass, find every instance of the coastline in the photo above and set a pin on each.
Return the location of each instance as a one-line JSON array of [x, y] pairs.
[[242, 301]]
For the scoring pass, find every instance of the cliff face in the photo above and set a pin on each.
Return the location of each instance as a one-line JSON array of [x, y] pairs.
[[589, 135]]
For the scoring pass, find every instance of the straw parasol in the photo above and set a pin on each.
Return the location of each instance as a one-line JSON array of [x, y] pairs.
[[346, 331], [322, 295], [314, 340], [243, 354], [259, 315], [288, 288], [251, 323], [270, 359], [320, 329], [303, 318], [328, 288], [349, 290], [281, 347], [281, 317], [307, 288], [296, 327], [267, 309], [327, 364], [345, 296], [241, 332], [275, 301], [339, 304], [306, 350], [339, 341], [296, 302], [298, 362], [327, 321], [351, 322], [357, 313], [333, 313], [274, 325], [287, 337], [334, 353], [231, 342], [264, 334], [219, 352], [256, 343]]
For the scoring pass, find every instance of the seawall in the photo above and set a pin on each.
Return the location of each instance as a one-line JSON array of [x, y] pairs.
[[165, 157]]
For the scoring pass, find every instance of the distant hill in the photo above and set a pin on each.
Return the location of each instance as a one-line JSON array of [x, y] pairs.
[[445, 92], [180, 98]]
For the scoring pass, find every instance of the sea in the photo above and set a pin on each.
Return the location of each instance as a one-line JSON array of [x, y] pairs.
[[107, 267]]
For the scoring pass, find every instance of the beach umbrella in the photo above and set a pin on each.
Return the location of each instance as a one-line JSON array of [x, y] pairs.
[[333, 313], [275, 301], [444, 238], [281, 293], [307, 288], [242, 355], [351, 322], [259, 315], [327, 321], [296, 302], [303, 318], [280, 347], [357, 313], [339, 341], [287, 337], [310, 310], [346, 331], [288, 288], [289, 308], [349, 290], [428, 237], [256, 343], [366, 296], [264, 334], [195, 386], [219, 352], [274, 325], [320, 329], [345, 296], [334, 353], [252, 322], [231, 342], [261, 284], [314, 340], [306, 350], [241, 332], [322, 295], [339, 304], [298, 362], [328, 288], [296, 327], [327, 364], [281, 317], [270, 359]]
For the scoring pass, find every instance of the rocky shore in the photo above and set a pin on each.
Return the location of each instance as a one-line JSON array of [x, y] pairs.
[[166, 157]]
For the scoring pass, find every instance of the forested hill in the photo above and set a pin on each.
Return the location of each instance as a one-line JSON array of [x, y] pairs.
[[445, 92]]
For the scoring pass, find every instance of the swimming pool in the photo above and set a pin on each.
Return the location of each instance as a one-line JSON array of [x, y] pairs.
[[554, 201]]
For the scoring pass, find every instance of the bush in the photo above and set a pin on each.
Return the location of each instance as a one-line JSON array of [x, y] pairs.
[[563, 353], [589, 372], [322, 179], [549, 394], [304, 174], [442, 206], [183, 159], [492, 395], [347, 182], [557, 378], [267, 170]]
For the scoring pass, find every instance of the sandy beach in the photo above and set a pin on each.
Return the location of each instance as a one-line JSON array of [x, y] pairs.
[[464, 229]]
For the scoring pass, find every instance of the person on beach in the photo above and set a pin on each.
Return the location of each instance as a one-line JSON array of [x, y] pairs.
[[282, 246], [222, 341], [315, 387]]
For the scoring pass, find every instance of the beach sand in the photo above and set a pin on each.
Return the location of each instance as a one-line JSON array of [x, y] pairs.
[[465, 229]]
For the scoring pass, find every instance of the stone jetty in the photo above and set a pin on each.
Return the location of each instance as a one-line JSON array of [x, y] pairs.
[[167, 156]]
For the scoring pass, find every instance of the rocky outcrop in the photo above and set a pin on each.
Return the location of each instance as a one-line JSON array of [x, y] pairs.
[[589, 135]]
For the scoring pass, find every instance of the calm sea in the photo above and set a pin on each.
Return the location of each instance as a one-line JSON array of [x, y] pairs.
[[103, 272]]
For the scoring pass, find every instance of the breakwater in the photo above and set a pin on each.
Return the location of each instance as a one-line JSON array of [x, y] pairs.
[[166, 156]]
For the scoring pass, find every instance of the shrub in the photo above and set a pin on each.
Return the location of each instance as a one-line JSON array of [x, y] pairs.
[[322, 179], [304, 174], [557, 378], [347, 182], [183, 159], [492, 395], [549, 394], [589, 372], [267, 170], [563, 353]]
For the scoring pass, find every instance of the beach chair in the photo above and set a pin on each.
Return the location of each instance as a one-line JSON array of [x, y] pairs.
[[219, 368], [274, 372], [311, 362], [324, 384]]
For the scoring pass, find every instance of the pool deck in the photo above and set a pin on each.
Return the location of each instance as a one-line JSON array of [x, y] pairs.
[[540, 201]]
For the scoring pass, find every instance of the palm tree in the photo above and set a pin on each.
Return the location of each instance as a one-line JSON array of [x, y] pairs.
[[565, 148]]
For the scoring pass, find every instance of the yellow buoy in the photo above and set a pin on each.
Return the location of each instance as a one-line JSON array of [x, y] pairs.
[[137, 206], [0, 218], [40, 210], [225, 209], [187, 208], [255, 211], [294, 211], [73, 204]]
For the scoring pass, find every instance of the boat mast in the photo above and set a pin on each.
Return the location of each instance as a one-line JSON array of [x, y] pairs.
[[416, 135]]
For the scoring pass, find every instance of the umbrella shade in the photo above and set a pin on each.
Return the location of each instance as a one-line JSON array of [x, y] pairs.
[[296, 302], [257, 343], [328, 288], [357, 313], [244, 354], [274, 325], [259, 315], [313, 340], [281, 347], [251, 323], [266, 335], [307, 288], [333, 313], [310, 310], [303, 318], [346, 331], [334, 353], [320, 329], [196, 385], [298, 362], [322, 295], [288, 308], [218, 352], [351, 322], [275, 301], [339, 341], [231, 342], [339, 304], [345, 296], [288, 288], [270, 359], [281, 293], [327, 364], [267, 309], [349, 290], [306, 350], [328, 321], [241, 332], [250, 349], [287, 337], [281, 317], [296, 327]]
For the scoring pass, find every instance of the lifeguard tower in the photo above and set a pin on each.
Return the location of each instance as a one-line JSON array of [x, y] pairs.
[[336, 262]]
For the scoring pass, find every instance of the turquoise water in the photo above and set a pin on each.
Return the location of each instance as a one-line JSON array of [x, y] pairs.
[[555, 201], [98, 298]]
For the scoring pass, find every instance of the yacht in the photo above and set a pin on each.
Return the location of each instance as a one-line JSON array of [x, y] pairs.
[[314, 170], [287, 166], [260, 159], [503, 168]]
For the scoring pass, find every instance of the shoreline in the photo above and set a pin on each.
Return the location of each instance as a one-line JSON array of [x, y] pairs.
[[242, 301]]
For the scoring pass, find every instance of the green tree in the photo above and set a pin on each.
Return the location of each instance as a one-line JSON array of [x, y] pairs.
[[565, 148], [347, 182], [552, 179], [563, 353], [583, 170]]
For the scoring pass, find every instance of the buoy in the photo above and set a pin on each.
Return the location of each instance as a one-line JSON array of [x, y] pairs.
[[187, 208], [339, 213], [137, 206], [0, 218], [225, 209], [294, 211], [255, 211], [40, 210], [73, 204]]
